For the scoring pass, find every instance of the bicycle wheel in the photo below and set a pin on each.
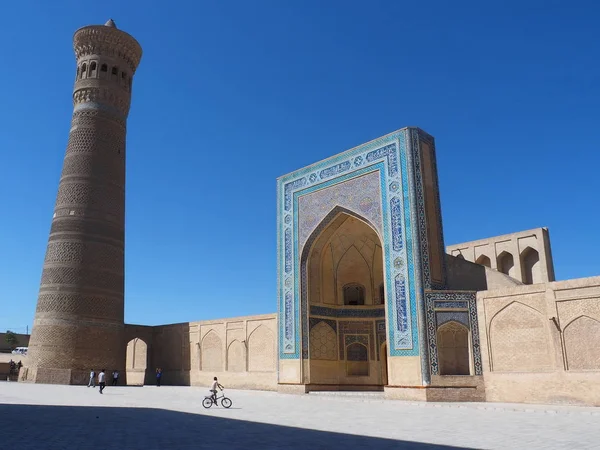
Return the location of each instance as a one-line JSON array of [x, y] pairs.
[[207, 402], [225, 402]]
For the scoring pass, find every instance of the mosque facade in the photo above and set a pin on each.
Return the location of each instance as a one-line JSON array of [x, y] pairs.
[[370, 298]]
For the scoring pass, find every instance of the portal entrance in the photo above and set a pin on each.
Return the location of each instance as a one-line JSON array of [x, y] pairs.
[[345, 306]]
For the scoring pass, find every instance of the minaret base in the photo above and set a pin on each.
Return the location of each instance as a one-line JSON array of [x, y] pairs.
[[46, 375]]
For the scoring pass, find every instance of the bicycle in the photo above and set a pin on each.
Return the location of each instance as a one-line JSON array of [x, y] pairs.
[[209, 401]]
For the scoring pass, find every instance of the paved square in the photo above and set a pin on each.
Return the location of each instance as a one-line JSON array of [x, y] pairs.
[[74, 417]]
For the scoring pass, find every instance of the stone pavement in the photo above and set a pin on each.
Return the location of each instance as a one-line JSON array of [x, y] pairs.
[[74, 417]]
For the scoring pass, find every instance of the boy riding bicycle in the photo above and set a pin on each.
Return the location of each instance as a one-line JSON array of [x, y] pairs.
[[213, 389]]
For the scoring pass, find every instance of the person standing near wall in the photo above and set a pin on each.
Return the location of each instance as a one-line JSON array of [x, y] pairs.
[[92, 381], [102, 380], [115, 377], [158, 376]]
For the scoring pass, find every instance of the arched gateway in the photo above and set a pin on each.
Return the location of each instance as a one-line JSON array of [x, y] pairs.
[[342, 264], [362, 271]]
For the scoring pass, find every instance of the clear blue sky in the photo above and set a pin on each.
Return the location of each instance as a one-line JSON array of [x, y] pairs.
[[231, 95]]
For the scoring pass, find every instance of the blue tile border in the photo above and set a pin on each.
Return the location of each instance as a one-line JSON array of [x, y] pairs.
[[463, 306], [359, 313], [396, 158]]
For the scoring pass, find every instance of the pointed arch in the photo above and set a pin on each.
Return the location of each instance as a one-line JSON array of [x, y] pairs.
[[137, 354], [93, 69], [579, 337], [236, 362], [531, 266], [261, 350], [211, 352], [329, 225], [506, 264], [453, 349], [323, 342], [484, 261], [327, 220], [519, 340]]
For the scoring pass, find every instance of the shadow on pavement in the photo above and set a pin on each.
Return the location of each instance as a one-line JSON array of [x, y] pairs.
[[77, 427]]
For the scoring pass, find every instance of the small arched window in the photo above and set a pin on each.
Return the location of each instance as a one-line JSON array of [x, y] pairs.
[[115, 71], [93, 69], [354, 294], [104, 68], [381, 294], [484, 261], [84, 70]]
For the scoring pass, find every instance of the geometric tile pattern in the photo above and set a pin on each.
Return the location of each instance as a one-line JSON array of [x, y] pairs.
[[351, 329], [390, 157], [446, 306], [360, 194], [395, 209], [346, 312]]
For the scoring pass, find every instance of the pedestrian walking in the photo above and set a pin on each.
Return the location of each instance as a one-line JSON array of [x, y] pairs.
[[92, 381], [115, 377], [102, 380], [158, 376]]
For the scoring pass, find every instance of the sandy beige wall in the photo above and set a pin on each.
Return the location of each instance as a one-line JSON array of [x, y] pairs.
[[240, 351], [539, 343]]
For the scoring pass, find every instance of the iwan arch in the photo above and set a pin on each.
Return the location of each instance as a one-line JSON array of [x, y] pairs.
[[369, 297]]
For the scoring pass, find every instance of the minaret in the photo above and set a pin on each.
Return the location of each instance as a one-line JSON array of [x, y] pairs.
[[78, 322]]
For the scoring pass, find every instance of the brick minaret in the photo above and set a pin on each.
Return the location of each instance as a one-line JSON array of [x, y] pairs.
[[79, 317]]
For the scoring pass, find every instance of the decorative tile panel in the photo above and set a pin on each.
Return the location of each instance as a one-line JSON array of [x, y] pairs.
[[361, 194], [316, 320], [351, 328], [451, 305], [442, 317], [358, 313], [464, 304], [394, 211]]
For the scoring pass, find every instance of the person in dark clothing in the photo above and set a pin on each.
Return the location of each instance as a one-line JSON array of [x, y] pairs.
[[115, 377], [158, 376]]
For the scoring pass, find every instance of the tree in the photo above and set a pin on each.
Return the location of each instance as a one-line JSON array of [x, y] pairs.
[[11, 339]]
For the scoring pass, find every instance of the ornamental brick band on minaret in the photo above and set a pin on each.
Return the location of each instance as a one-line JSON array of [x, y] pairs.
[[79, 320]]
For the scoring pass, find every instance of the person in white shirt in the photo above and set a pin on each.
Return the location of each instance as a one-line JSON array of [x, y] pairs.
[[102, 380], [213, 389], [115, 378], [92, 382]]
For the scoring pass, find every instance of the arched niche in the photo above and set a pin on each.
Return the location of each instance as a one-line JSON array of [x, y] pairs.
[[212, 352], [357, 360], [506, 264], [136, 362], [519, 340], [261, 350], [342, 266], [581, 337], [484, 261], [453, 349], [236, 361], [347, 252], [531, 267]]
